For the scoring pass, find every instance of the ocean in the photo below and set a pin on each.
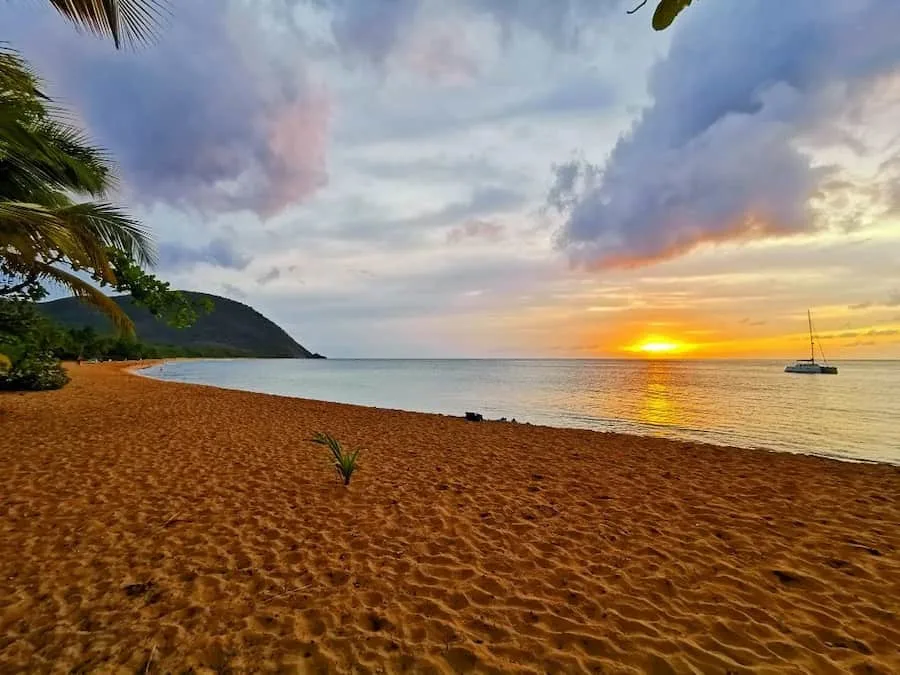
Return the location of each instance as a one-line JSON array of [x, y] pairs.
[[854, 415]]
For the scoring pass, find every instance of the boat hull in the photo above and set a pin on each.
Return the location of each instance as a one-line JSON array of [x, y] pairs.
[[811, 369]]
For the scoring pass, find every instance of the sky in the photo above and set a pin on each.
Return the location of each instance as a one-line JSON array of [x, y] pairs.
[[511, 178]]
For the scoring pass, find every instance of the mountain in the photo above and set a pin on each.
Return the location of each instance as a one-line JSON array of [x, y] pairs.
[[230, 326]]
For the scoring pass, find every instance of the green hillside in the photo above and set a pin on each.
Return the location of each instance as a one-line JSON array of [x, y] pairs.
[[231, 326]]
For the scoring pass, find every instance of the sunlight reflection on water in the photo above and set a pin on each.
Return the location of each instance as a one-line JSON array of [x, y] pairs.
[[747, 403], [657, 408]]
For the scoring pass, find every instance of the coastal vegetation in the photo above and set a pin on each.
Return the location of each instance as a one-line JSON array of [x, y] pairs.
[[57, 227], [230, 328], [33, 346], [34, 337], [25, 345], [345, 462], [35, 371]]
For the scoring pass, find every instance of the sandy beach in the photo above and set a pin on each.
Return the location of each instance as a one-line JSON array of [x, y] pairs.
[[160, 527]]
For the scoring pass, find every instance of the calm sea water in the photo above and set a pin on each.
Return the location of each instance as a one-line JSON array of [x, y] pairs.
[[854, 415]]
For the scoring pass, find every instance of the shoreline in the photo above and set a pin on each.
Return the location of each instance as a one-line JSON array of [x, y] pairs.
[[756, 448], [160, 525]]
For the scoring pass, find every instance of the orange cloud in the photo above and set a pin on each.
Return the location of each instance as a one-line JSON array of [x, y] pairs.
[[749, 228]]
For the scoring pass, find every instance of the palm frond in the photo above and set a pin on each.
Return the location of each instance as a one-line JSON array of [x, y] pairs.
[[128, 21], [17, 80], [79, 233], [80, 166], [14, 214], [89, 294], [38, 149], [48, 153], [29, 231], [345, 463], [98, 225]]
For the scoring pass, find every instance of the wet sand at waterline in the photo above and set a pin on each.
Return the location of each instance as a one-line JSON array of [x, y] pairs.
[[158, 527]]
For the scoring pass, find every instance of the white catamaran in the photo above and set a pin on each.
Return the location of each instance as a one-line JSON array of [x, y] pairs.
[[809, 366]]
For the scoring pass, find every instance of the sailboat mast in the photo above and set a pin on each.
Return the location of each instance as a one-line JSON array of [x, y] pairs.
[[812, 347]]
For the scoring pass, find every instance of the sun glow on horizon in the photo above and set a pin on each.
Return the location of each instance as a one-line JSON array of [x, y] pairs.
[[655, 345], [658, 347]]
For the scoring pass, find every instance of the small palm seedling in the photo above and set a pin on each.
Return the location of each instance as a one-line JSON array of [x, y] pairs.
[[345, 462]]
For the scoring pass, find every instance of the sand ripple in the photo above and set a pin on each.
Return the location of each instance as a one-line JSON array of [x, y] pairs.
[[160, 527]]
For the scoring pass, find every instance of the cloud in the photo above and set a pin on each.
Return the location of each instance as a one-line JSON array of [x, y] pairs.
[[442, 113], [440, 290], [570, 179], [483, 200], [432, 168], [892, 300], [872, 333], [715, 157], [370, 32], [217, 116], [222, 115], [273, 274], [220, 252], [588, 91], [485, 230], [561, 23], [442, 55], [364, 224], [232, 291]]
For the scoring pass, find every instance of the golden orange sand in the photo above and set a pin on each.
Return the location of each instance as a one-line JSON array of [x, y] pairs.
[[160, 527]]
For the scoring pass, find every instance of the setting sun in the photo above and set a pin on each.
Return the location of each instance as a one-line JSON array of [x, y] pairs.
[[658, 346]]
